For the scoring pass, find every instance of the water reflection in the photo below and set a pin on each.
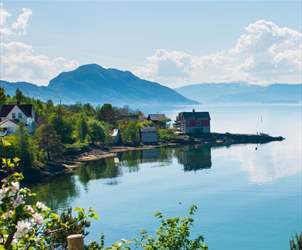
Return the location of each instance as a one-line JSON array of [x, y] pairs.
[[191, 158], [131, 160], [194, 158], [268, 163], [101, 169], [57, 194]]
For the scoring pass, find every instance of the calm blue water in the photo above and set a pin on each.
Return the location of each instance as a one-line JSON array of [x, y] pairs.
[[247, 198]]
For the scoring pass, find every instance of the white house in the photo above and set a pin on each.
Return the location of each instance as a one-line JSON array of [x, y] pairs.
[[13, 114], [149, 135]]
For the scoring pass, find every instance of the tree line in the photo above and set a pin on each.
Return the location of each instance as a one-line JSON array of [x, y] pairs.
[[66, 128]]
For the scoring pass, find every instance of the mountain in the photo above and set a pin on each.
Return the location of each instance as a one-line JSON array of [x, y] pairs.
[[95, 84], [242, 92]]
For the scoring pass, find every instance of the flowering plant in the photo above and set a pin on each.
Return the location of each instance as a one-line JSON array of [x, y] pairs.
[[34, 226]]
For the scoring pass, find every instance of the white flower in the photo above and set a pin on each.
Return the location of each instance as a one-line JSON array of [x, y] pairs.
[[15, 186], [38, 218], [41, 206], [3, 193], [23, 227]]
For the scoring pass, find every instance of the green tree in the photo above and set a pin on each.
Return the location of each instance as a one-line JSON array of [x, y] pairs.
[[62, 125], [96, 131], [24, 149], [130, 132], [88, 109], [82, 128], [49, 141], [2, 96], [19, 96], [106, 113], [166, 134]]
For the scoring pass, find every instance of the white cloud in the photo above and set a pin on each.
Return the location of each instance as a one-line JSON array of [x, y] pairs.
[[19, 62], [265, 53], [4, 14], [21, 23]]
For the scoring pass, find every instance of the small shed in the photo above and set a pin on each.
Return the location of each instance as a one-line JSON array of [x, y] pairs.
[[149, 135]]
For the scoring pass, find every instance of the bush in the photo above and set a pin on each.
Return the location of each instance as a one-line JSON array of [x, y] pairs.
[[173, 233], [166, 134]]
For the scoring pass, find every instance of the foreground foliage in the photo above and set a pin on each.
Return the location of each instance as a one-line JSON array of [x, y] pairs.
[[296, 242], [173, 233], [24, 225], [34, 226]]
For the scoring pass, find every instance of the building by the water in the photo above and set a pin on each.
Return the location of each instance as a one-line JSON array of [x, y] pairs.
[[149, 135], [193, 122]]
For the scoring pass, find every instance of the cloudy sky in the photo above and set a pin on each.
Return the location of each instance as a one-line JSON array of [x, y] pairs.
[[174, 43]]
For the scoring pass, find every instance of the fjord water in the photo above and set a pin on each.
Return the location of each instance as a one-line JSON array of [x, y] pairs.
[[249, 196]]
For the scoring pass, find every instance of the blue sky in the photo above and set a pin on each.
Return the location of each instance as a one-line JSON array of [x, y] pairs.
[[167, 41]]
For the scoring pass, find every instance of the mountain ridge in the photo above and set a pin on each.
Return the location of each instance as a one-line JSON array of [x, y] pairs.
[[242, 92], [95, 84]]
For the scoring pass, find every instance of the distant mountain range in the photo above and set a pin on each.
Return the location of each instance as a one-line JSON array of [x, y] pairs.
[[95, 84], [242, 92]]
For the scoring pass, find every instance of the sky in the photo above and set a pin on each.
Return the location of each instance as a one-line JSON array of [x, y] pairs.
[[172, 42]]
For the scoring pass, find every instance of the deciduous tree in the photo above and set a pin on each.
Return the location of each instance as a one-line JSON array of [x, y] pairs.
[[96, 131], [49, 141]]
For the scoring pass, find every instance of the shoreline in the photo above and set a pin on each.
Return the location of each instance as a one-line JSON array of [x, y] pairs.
[[97, 154], [67, 165]]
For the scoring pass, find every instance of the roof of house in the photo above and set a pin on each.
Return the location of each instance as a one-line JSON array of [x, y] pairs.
[[148, 129], [27, 109], [156, 117], [194, 114], [15, 121]]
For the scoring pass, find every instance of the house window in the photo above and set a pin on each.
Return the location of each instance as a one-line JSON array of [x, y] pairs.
[[19, 116], [14, 115]]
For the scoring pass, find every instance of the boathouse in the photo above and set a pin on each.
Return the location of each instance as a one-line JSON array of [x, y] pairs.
[[193, 122], [149, 135]]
